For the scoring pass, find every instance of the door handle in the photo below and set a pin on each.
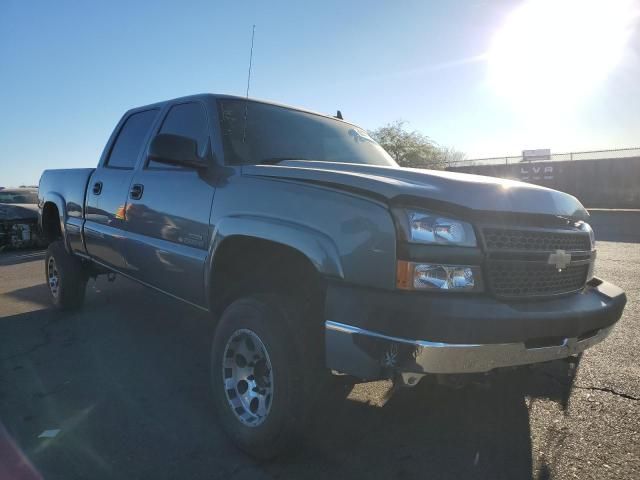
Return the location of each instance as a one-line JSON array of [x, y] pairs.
[[136, 191], [97, 188]]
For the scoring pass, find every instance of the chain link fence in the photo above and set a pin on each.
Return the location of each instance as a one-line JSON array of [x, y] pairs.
[[554, 157]]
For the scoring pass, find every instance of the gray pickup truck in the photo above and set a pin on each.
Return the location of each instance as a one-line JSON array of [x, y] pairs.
[[318, 255]]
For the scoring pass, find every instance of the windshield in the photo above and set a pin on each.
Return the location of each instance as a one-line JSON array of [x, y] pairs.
[[274, 133], [12, 196]]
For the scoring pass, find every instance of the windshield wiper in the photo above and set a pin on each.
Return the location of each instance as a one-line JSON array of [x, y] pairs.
[[276, 160]]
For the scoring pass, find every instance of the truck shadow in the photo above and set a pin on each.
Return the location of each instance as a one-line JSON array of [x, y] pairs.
[[436, 432], [478, 431], [36, 294], [126, 380]]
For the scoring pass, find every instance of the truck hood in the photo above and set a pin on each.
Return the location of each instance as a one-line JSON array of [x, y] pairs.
[[18, 211], [475, 192]]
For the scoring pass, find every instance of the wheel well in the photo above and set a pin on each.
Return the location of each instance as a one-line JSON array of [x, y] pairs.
[[245, 265], [51, 229]]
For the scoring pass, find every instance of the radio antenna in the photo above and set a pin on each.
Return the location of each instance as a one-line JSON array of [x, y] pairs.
[[246, 103]]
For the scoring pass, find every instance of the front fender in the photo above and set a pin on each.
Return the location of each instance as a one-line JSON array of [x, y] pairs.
[[315, 245]]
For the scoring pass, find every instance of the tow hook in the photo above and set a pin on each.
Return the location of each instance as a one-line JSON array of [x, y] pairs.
[[389, 362], [407, 379]]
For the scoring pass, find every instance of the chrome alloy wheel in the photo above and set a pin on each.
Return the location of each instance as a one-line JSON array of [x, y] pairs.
[[247, 377], [53, 277]]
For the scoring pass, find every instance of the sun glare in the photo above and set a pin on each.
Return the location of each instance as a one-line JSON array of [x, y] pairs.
[[550, 54]]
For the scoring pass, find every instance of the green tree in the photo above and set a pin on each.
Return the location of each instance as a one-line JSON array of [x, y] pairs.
[[412, 148]]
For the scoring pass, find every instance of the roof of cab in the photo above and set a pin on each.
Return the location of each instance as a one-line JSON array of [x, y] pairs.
[[216, 96]]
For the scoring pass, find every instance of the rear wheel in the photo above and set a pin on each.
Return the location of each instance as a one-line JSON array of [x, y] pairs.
[[65, 276], [259, 385]]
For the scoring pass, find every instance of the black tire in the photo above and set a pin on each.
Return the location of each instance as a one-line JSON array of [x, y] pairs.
[[270, 319], [65, 276]]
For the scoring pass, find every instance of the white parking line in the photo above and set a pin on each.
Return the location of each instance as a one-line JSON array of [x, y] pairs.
[[29, 255], [9, 258]]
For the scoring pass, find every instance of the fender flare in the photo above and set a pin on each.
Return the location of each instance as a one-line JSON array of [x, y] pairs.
[[315, 245], [58, 201]]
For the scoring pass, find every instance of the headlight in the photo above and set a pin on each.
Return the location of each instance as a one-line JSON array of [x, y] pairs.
[[585, 227], [433, 229], [429, 276]]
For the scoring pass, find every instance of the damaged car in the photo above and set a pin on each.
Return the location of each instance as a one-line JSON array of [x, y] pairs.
[[19, 218]]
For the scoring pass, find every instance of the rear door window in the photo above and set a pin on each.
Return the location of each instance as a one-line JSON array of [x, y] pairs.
[[131, 139]]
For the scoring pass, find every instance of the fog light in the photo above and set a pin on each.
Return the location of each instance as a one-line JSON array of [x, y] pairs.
[[428, 276]]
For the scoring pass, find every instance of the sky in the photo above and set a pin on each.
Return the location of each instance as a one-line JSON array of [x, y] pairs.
[[488, 78]]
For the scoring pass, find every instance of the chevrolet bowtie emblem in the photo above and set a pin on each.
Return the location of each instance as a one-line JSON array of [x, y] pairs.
[[560, 259]]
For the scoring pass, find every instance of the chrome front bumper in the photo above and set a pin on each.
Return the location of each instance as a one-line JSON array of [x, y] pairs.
[[367, 352]]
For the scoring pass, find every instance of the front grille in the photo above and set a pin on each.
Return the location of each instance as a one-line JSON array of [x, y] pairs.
[[497, 239], [528, 279], [517, 262]]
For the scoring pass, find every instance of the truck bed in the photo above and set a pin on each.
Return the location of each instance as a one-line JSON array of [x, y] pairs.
[[67, 189]]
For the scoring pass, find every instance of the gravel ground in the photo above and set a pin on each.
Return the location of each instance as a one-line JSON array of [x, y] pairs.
[[125, 381]]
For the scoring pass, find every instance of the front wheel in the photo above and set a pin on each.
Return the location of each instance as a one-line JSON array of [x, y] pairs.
[[66, 277], [257, 376]]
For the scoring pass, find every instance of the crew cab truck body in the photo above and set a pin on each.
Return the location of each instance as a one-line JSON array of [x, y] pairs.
[[317, 253]]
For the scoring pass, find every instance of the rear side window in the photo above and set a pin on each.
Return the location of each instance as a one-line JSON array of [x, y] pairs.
[[133, 133], [187, 120]]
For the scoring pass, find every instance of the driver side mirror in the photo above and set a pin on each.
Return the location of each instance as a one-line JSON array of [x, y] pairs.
[[176, 150]]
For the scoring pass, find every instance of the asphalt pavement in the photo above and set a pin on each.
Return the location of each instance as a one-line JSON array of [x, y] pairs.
[[121, 390]]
